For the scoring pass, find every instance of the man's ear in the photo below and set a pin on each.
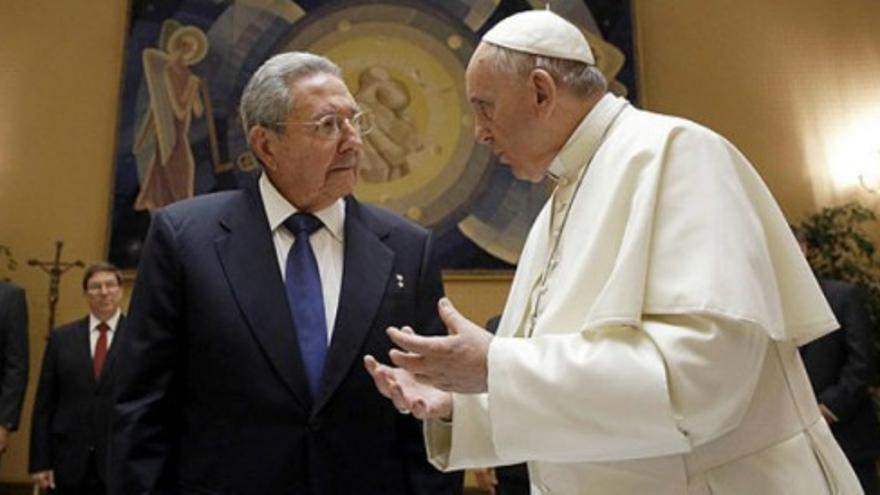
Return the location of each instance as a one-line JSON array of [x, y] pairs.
[[544, 90], [262, 142]]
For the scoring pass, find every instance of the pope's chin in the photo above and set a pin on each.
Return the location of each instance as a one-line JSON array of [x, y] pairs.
[[524, 172]]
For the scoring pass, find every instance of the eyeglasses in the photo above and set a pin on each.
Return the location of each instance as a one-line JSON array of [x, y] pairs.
[[330, 126], [96, 287]]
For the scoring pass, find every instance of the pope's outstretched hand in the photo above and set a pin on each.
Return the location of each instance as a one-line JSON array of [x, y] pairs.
[[407, 393], [428, 368], [455, 363]]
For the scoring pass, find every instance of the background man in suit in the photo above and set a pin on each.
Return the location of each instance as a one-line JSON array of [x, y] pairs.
[[252, 309], [841, 366], [13, 358], [73, 404]]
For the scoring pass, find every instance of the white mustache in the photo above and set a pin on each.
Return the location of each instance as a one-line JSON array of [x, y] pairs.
[[350, 160]]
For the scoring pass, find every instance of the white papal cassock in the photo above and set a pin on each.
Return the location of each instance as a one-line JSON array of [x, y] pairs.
[[648, 345]]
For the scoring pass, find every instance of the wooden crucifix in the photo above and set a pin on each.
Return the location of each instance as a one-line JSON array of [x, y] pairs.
[[55, 269]]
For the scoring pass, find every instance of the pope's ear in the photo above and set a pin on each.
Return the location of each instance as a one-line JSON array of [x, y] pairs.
[[544, 90], [262, 142]]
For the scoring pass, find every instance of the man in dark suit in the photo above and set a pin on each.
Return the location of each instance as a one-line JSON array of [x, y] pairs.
[[74, 395], [840, 366], [13, 358], [252, 311]]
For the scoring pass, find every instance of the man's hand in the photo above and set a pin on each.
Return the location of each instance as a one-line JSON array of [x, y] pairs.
[[455, 363], [44, 479], [4, 438], [407, 394], [486, 480]]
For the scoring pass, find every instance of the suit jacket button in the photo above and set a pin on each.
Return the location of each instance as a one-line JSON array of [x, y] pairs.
[[315, 424]]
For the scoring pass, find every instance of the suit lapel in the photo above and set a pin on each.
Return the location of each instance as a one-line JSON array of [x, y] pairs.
[[367, 266], [83, 354], [250, 265]]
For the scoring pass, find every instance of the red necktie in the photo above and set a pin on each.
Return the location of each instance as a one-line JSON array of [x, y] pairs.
[[100, 349]]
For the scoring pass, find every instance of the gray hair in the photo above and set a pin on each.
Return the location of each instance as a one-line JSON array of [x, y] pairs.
[[266, 99], [581, 79]]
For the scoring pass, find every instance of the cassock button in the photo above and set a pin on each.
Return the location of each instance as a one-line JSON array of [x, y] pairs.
[[315, 425]]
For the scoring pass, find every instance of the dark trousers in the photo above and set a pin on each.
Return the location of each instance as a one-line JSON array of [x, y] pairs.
[[512, 480], [90, 484]]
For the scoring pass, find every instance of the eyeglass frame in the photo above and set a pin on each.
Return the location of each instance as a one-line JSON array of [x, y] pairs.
[[354, 121], [109, 285]]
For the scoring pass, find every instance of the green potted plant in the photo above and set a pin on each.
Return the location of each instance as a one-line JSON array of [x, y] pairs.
[[840, 248]]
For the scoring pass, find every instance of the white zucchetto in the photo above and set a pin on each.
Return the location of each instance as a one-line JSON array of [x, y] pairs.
[[541, 32]]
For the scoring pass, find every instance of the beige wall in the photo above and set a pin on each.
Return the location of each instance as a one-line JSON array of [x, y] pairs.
[[781, 79], [60, 66], [793, 83]]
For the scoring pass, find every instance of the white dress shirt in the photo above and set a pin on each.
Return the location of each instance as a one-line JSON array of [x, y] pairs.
[[94, 321], [327, 243]]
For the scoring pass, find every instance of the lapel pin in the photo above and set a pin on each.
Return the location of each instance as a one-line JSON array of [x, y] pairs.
[[399, 280]]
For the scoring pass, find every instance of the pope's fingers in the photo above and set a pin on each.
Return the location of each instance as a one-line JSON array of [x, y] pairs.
[[416, 343], [407, 340], [371, 364], [382, 375], [419, 409], [414, 363], [399, 399], [374, 368], [453, 320], [386, 382]]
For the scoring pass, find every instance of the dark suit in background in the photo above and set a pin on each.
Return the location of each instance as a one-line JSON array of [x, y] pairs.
[[13, 357], [72, 408], [840, 366], [214, 398]]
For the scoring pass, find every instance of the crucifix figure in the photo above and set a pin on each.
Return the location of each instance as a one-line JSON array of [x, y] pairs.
[[55, 269]]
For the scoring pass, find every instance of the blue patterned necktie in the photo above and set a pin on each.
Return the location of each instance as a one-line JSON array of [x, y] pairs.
[[305, 297]]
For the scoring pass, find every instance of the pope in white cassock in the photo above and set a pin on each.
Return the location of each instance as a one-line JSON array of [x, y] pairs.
[[649, 341]]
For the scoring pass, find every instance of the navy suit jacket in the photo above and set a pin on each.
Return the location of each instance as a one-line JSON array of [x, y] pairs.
[[71, 417], [214, 398], [840, 366], [13, 353]]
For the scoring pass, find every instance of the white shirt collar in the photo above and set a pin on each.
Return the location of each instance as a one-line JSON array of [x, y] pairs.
[[585, 138], [278, 209], [111, 322]]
